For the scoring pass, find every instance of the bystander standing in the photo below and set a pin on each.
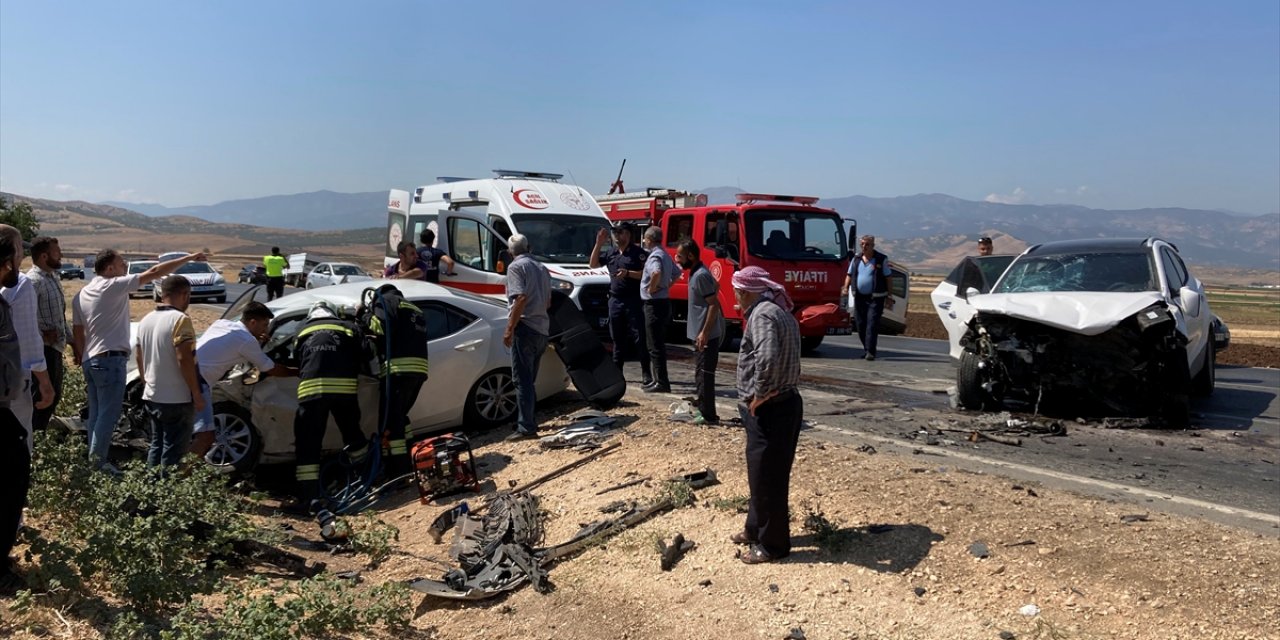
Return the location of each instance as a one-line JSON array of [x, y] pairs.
[[528, 324], [24, 306], [166, 352], [868, 285], [705, 327], [625, 263], [985, 246], [433, 257], [274, 265], [15, 452], [410, 266], [51, 317], [660, 272]]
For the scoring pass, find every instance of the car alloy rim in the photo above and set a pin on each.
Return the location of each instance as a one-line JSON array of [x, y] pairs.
[[496, 397], [232, 439]]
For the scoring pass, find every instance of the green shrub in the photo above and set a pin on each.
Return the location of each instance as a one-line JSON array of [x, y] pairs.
[[73, 391]]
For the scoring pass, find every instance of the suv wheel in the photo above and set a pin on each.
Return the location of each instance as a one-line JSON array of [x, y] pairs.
[[969, 391], [237, 444]]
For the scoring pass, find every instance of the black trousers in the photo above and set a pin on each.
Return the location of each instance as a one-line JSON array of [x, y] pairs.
[[771, 449], [403, 393], [57, 368], [657, 316], [275, 288], [15, 477], [626, 329], [704, 378], [309, 425]]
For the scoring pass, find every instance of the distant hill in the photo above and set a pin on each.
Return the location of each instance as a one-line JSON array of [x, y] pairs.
[[316, 210], [87, 227], [932, 230]]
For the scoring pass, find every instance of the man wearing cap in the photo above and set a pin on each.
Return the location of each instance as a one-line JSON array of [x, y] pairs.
[[985, 247], [770, 405], [626, 309]]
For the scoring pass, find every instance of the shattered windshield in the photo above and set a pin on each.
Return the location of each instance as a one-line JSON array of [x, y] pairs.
[[794, 235], [1127, 272], [560, 238]]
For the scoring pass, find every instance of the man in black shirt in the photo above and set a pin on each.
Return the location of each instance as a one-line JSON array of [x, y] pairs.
[[428, 253], [626, 310]]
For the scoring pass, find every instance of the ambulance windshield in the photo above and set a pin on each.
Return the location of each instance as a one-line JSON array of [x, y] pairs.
[[794, 235], [560, 239]]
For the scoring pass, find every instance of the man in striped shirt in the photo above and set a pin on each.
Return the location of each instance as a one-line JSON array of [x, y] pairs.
[[22, 300], [771, 409], [51, 316]]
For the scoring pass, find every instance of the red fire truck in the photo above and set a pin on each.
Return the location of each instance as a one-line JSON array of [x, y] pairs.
[[803, 246]]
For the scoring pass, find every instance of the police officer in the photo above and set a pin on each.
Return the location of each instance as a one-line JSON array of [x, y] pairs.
[[330, 354], [626, 309], [398, 330]]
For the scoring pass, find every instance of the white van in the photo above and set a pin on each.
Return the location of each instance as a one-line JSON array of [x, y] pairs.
[[472, 219]]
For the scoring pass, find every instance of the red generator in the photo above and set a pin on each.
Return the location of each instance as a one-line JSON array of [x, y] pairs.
[[443, 464]]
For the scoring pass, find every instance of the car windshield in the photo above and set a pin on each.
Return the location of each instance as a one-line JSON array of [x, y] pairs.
[[195, 267], [347, 270], [1129, 271], [794, 235], [139, 267], [560, 239]]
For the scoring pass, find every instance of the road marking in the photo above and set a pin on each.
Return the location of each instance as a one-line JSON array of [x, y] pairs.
[[1271, 519]]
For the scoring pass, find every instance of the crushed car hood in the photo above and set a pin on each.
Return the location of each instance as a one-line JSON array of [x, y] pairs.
[[1086, 313]]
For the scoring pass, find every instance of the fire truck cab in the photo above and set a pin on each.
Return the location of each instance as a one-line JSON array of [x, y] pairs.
[[802, 246], [473, 219]]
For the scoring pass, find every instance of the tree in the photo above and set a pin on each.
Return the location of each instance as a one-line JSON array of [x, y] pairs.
[[21, 216]]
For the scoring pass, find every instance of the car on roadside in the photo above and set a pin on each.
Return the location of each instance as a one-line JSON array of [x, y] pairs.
[[70, 271], [206, 282], [252, 274], [328, 274], [1110, 325], [138, 266], [469, 386]]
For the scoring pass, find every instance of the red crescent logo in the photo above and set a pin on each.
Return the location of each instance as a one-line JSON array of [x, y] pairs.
[[530, 199]]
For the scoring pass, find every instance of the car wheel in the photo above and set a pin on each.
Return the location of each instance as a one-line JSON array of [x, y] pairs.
[[969, 391], [809, 344], [1207, 379], [492, 401], [237, 444], [309, 286]]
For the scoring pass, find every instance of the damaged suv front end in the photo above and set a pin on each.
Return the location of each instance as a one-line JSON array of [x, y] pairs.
[[1090, 325]]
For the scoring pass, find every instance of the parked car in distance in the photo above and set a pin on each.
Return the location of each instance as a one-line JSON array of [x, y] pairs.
[[1111, 325], [330, 273], [252, 274], [138, 266], [70, 271], [469, 386], [206, 282]]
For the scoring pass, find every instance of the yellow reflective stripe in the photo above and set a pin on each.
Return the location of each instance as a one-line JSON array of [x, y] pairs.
[[345, 386], [399, 446], [409, 305], [325, 327], [375, 325], [307, 472], [407, 364]]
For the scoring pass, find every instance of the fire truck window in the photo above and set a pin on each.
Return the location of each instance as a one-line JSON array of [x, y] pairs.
[[679, 229], [777, 241]]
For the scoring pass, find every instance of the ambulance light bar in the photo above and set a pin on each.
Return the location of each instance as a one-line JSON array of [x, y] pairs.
[[747, 198], [537, 175]]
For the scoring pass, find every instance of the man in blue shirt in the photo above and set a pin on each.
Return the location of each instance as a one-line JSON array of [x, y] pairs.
[[869, 275], [626, 309], [660, 272]]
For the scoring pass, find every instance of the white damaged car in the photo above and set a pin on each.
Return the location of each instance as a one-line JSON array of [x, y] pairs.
[[1119, 325]]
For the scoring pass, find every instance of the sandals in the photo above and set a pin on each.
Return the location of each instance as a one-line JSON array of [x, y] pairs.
[[740, 538], [757, 555]]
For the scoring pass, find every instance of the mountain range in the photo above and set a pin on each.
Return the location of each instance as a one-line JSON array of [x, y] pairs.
[[924, 230]]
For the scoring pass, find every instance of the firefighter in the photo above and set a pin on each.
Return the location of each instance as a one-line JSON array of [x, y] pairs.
[[329, 352], [398, 330]]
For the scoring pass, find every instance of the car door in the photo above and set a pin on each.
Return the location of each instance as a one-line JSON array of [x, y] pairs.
[[458, 347], [1188, 302], [950, 297], [479, 253], [320, 276]]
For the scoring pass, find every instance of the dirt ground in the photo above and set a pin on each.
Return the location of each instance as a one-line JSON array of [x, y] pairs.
[[1243, 354]]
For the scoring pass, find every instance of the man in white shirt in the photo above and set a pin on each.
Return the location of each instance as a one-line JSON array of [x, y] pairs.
[[100, 319], [225, 344], [25, 305], [166, 350]]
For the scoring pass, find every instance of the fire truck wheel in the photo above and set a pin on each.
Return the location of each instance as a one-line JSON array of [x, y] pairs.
[[809, 344], [237, 443], [492, 401]]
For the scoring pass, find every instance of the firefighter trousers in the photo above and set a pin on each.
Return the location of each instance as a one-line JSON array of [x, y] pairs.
[[396, 395], [309, 425]]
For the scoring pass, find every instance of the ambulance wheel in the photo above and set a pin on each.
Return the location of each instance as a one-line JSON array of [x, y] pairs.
[[237, 445], [809, 344], [492, 401]]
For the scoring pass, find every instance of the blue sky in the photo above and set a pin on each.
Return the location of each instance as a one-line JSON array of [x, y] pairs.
[[1103, 104]]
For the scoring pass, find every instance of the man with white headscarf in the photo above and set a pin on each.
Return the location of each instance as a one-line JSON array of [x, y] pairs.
[[770, 404]]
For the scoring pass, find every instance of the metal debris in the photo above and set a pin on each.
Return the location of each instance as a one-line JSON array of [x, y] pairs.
[[672, 553]]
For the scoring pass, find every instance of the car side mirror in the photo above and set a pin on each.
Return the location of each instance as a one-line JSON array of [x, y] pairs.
[[1191, 300], [969, 293]]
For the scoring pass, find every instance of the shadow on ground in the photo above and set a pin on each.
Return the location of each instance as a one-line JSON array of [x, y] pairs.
[[883, 548]]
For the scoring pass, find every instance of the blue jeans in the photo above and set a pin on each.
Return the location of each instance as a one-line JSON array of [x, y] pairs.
[[867, 311], [104, 377], [527, 347], [170, 431]]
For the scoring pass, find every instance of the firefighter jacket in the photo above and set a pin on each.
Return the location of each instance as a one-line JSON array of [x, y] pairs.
[[329, 356], [405, 353]]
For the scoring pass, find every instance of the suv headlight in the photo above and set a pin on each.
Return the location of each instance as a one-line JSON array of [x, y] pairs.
[[561, 285], [219, 280]]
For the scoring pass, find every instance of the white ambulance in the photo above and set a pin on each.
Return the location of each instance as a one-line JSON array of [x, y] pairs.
[[472, 219]]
